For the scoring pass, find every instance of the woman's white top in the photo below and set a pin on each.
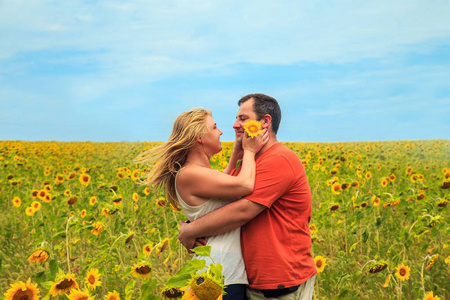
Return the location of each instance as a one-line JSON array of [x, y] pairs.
[[225, 247]]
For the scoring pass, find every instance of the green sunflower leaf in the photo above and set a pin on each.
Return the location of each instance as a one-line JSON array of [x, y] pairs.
[[202, 250]]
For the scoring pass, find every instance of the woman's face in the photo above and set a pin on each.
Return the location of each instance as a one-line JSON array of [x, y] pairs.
[[211, 140]]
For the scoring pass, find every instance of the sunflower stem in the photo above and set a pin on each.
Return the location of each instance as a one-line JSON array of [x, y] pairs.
[[421, 275], [67, 243]]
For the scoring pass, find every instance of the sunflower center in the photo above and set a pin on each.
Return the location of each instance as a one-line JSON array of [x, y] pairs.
[[143, 270], [91, 279], [319, 263], [65, 284], [402, 272], [23, 295]]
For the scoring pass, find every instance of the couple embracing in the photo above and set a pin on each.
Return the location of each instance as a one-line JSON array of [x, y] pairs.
[[256, 217]]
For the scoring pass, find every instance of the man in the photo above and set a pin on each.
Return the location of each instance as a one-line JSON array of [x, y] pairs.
[[275, 238]]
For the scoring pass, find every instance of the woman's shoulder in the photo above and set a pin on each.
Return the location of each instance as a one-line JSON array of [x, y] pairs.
[[187, 174]]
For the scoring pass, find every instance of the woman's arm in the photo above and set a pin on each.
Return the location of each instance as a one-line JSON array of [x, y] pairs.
[[207, 183]]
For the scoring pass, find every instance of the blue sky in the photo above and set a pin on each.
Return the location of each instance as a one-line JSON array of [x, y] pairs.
[[122, 70]]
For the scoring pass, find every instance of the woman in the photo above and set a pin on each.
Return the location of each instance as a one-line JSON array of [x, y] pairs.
[[181, 166]]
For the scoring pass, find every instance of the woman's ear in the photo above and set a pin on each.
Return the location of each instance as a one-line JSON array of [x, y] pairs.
[[200, 140]]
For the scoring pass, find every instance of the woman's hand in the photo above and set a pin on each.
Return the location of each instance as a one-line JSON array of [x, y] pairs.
[[255, 144]]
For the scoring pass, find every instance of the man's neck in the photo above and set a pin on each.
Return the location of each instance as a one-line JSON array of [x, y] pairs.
[[272, 141]]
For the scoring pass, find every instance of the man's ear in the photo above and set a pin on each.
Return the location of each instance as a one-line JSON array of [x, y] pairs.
[[266, 121]]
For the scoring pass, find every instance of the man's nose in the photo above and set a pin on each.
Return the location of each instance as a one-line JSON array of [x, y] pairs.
[[236, 124]]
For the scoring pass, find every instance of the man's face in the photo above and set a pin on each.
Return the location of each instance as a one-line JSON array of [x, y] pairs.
[[244, 114]]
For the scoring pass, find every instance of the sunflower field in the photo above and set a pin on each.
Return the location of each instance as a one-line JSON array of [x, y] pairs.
[[76, 224]]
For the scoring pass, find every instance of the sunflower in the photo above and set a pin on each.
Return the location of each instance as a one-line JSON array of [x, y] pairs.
[[85, 179], [147, 191], [392, 177], [355, 184], [39, 255], [41, 195], [67, 192], [393, 203], [59, 179], [162, 246], [22, 290], [345, 186], [147, 249], [16, 201], [430, 296], [72, 200], [363, 204], [29, 211], [403, 272], [189, 295], [432, 261], [368, 175], [98, 228], [161, 202], [63, 284], [333, 207], [129, 237], [79, 295], [141, 270], [421, 196], [320, 263], [408, 171], [445, 185], [36, 205], [135, 175], [331, 181], [34, 194], [92, 200], [442, 203], [384, 182], [92, 279], [108, 213], [48, 198], [253, 128], [378, 266], [206, 287], [171, 293], [334, 171], [135, 197], [112, 296], [376, 202], [336, 188], [120, 175]]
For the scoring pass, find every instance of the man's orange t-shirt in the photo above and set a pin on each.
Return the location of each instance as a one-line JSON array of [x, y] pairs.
[[276, 244]]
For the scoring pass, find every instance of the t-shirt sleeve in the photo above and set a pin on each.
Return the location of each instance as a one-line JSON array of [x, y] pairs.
[[274, 176]]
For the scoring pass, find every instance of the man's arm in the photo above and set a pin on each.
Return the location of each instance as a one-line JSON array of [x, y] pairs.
[[224, 219]]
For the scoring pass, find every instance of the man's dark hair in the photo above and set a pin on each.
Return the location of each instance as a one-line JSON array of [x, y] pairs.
[[264, 104]]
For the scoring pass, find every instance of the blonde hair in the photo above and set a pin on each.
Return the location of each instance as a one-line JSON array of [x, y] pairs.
[[166, 160]]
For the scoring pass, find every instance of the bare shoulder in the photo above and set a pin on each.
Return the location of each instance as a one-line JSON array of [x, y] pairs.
[[191, 174]]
